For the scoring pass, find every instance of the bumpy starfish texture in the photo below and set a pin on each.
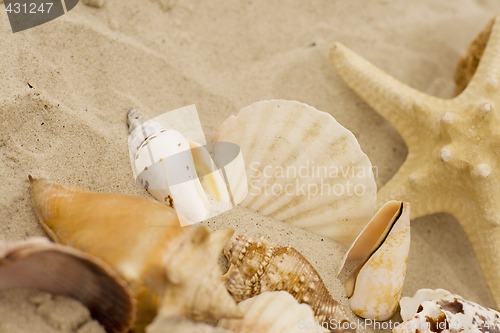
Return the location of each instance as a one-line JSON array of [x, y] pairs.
[[454, 147]]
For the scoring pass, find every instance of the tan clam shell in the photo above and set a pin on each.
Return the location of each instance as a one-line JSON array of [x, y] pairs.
[[374, 267], [258, 266], [39, 264], [167, 266], [303, 168], [273, 312]]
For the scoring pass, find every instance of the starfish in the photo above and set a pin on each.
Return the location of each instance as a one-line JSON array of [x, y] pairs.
[[453, 160]]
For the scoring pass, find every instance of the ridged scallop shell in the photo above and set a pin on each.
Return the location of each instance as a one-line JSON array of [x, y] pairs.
[[38, 264], [167, 266], [440, 311], [273, 312], [257, 266], [175, 170], [374, 267], [303, 168]]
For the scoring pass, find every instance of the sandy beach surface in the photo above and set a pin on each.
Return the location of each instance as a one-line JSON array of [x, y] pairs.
[[67, 85]]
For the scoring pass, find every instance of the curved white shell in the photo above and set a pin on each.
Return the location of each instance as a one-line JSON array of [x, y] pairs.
[[303, 167], [273, 312], [440, 311], [375, 265]]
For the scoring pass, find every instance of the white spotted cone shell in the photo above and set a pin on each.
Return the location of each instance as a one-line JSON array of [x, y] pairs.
[[258, 266], [440, 311], [158, 154], [174, 169], [303, 168], [374, 267], [273, 312]]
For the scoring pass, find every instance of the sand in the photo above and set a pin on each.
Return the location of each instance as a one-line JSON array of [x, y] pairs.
[[34, 311], [66, 87]]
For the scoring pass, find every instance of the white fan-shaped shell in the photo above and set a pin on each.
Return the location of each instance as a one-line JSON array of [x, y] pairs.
[[273, 312], [303, 167]]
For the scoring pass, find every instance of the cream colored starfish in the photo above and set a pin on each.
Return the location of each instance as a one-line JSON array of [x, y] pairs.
[[453, 161]]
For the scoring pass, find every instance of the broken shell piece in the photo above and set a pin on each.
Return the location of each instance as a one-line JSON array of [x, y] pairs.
[[409, 305], [174, 170], [440, 311], [303, 168], [38, 264], [180, 325], [374, 267], [273, 312], [257, 266], [167, 266]]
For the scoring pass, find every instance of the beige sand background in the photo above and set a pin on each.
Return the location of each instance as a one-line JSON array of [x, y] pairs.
[[66, 87]]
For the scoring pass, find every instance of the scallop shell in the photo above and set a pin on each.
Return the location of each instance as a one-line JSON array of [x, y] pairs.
[[257, 266], [442, 312], [303, 168], [166, 265], [273, 312], [374, 267], [180, 325], [175, 170], [38, 264]]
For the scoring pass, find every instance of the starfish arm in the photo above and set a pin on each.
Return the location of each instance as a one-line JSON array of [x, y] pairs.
[[400, 104], [483, 230], [420, 182], [412, 184], [487, 75]]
